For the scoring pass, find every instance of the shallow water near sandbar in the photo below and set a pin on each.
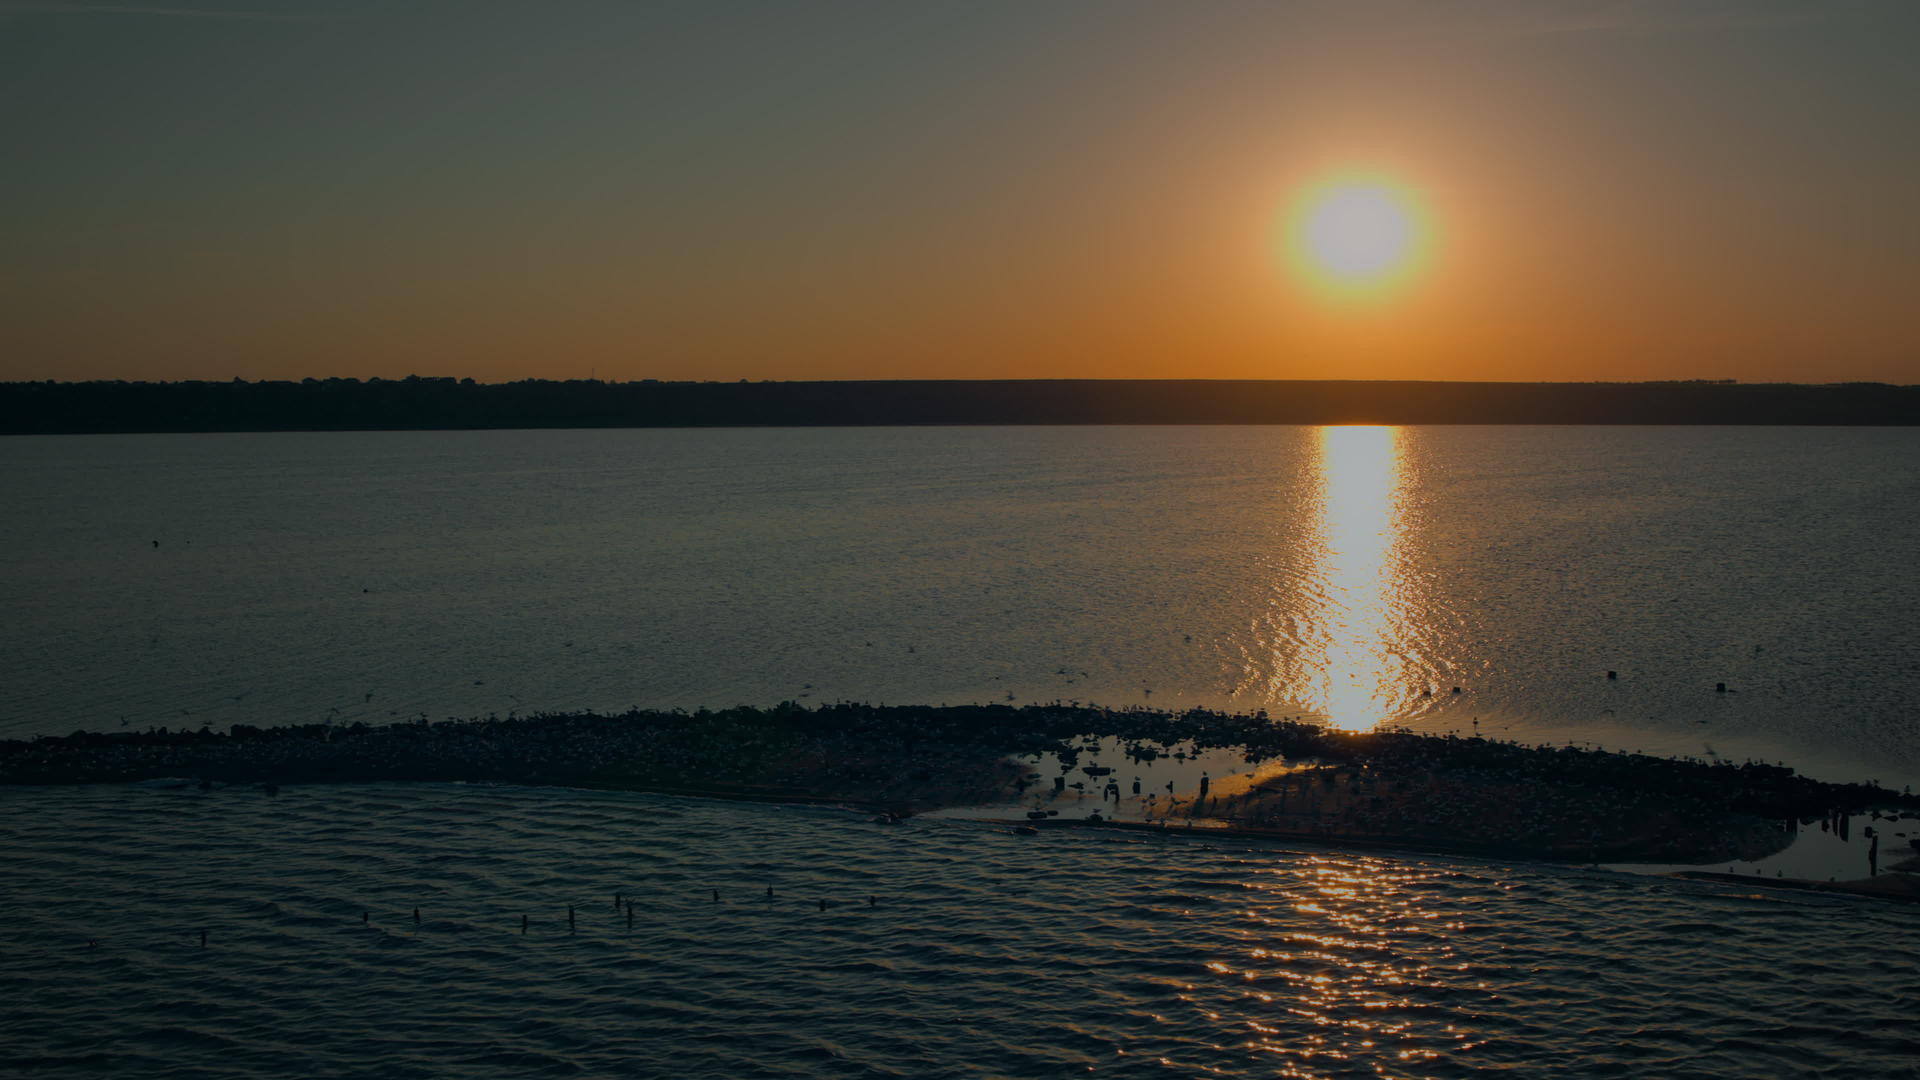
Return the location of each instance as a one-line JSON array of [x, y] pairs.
[[1101, 780], [982, 953], [1814, 853]]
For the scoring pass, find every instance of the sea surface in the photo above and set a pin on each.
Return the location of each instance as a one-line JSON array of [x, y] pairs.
[[1352, 574], [946, 949]]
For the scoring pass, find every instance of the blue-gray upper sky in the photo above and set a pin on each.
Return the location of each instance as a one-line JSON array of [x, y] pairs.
[[1039, 188]]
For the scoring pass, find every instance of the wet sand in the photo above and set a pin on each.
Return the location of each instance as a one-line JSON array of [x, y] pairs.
[[1885, 886], [1436, 811]]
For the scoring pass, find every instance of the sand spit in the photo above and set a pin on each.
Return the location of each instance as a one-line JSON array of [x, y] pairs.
[[1886, 886], [1386, 788]]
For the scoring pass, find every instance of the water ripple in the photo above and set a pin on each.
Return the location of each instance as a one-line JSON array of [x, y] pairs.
[[944, 949]]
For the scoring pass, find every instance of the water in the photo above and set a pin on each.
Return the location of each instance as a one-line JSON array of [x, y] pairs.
[[986, 955], [1355, 575], [1341, 573]]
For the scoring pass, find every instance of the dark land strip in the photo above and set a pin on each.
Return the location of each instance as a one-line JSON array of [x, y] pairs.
[[1470, 796], [416, 403]]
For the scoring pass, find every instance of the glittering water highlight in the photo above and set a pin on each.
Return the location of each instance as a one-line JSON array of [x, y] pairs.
[[945, 949], [1359, 468]]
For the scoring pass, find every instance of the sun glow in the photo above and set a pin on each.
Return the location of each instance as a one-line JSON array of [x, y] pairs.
[[1357, 236]]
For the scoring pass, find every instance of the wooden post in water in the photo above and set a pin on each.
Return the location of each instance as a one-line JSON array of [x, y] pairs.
[[203, 939], [416, 916], [570, 926], [523, 926]]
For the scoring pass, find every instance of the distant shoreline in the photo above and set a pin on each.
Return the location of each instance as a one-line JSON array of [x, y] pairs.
[[447, 404]]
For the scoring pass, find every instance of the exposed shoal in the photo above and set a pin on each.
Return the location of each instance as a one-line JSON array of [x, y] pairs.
[[1381, 788]]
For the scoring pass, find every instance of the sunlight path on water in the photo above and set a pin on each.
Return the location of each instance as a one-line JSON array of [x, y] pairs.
[[1360, 476]]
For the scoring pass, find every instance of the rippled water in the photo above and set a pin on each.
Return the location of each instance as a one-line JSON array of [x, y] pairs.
[[982, 954], [1354, 574], [1351, 574]]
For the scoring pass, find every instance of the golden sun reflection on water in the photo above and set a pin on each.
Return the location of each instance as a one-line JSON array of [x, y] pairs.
[[1357, 972], [1360, 481]]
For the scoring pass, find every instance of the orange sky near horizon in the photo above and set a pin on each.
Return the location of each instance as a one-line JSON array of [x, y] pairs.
[[1618, 192]]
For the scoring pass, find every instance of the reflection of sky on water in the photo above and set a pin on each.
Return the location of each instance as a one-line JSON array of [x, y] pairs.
[[1167, 783], [1817, 854]]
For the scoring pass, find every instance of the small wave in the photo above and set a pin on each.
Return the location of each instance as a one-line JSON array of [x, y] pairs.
[[186, 1038], [984, 955]]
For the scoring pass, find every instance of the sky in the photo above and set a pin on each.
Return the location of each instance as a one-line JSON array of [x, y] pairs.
[[1666, 189]]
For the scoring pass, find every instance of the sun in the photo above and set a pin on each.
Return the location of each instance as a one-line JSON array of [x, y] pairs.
[[1357, 236]]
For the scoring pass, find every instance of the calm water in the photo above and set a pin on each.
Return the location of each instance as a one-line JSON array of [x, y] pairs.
[[1343, 573], [986, 954], [1353, 574]]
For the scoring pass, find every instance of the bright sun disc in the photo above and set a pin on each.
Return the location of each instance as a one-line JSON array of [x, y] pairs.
[[1357, 236]]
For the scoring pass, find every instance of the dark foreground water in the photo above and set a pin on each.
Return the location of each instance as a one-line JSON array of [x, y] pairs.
[[985, 954]]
